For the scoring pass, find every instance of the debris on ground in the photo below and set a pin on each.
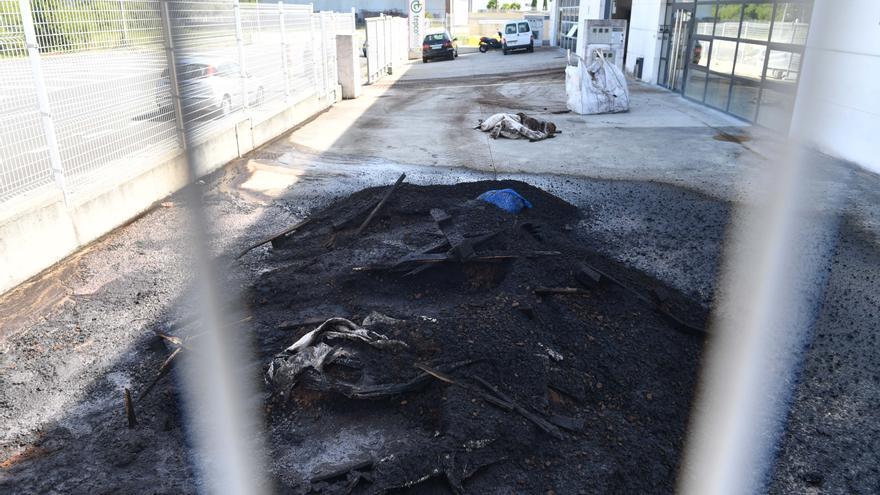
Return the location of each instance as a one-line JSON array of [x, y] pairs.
[[477, 330], [495, 351], [506, 199], [595, 86], [517, 126]]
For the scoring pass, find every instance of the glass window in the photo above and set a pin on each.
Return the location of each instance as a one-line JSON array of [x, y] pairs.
[[696, 84], [717, 88], [750, 60], [524, 27], [705, 16], [728, 20], [510, 29], [744, 99], [776, 108], [791, 22], [784, 66], [756, 21], [722, 56], [700, 52]]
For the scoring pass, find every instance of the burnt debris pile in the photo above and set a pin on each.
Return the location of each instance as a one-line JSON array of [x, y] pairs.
[[418, 338]]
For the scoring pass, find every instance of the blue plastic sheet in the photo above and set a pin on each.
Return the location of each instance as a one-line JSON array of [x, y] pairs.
[[506, 199]]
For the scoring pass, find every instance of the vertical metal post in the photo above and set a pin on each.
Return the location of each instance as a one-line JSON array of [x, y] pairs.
[[30, 38], [324, 54], [239, 41], [173, 81], [284, 50], [124, 22], [314, 51]]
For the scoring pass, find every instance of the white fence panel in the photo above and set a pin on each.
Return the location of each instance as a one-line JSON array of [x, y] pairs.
[[387, 45], [24, 155], [103, 67], [329, 59]]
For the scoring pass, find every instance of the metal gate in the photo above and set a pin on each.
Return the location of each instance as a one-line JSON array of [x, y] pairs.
[[387, 45]]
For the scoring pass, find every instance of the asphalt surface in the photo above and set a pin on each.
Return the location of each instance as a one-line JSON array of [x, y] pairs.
[[75, 337]]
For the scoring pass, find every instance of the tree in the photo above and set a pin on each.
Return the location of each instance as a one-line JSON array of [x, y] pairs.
[[505, 6], [492, 4], [515, 6], [758, 12], [545, 5], [534, 4], [729, 12]]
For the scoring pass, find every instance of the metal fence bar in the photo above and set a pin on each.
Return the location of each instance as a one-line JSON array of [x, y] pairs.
[[124, 22], [284, 51], [171, 61], [30, 37], [324, 55], [239, 41]]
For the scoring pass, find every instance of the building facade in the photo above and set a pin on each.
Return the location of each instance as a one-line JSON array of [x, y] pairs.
[[748, 58], [741, 57]]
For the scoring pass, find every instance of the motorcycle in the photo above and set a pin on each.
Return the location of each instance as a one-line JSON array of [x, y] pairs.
[[487, 43]]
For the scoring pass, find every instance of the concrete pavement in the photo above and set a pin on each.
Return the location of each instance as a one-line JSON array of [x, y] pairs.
[[425, 116]]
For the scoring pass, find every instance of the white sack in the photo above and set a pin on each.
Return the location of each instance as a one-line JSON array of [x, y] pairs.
[[511, 126], [602, 86]]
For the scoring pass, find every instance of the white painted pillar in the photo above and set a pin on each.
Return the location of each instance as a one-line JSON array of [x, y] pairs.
[[348, 65], [588, 9], [645, 38]]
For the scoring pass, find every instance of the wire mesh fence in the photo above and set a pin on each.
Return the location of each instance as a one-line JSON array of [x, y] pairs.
[[24, 157], [103, 67]]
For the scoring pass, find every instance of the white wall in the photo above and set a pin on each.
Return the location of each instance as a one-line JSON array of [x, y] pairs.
[[644, 40], [478, 5], [588, 9], [838, 104]]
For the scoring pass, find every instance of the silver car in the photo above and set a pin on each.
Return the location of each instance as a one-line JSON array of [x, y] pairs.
[[209, 85]]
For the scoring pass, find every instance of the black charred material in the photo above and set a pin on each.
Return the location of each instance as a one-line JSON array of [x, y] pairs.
[[129, 409], [611, 415]]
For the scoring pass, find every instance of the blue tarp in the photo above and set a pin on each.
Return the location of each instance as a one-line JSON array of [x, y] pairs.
[[506, 199]]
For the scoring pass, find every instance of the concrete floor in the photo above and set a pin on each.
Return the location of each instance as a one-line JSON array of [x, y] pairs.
[[657, 187], [425, 116]]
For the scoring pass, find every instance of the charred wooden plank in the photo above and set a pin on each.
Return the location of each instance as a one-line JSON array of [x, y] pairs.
[[381, 203], [540, 422], [559, 290], [163, 370], [275, 236], [341, 223], [129, 409]]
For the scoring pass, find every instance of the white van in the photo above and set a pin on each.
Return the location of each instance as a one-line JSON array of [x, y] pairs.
[[517, 35]]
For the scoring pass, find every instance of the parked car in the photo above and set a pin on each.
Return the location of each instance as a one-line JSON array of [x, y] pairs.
[[209, 85], [439, 45], [517, 36]]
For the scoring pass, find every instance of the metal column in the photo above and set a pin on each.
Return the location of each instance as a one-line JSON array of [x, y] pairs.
[[30, 37]]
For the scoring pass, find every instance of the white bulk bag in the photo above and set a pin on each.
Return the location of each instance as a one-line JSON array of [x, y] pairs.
[[599, 87]]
